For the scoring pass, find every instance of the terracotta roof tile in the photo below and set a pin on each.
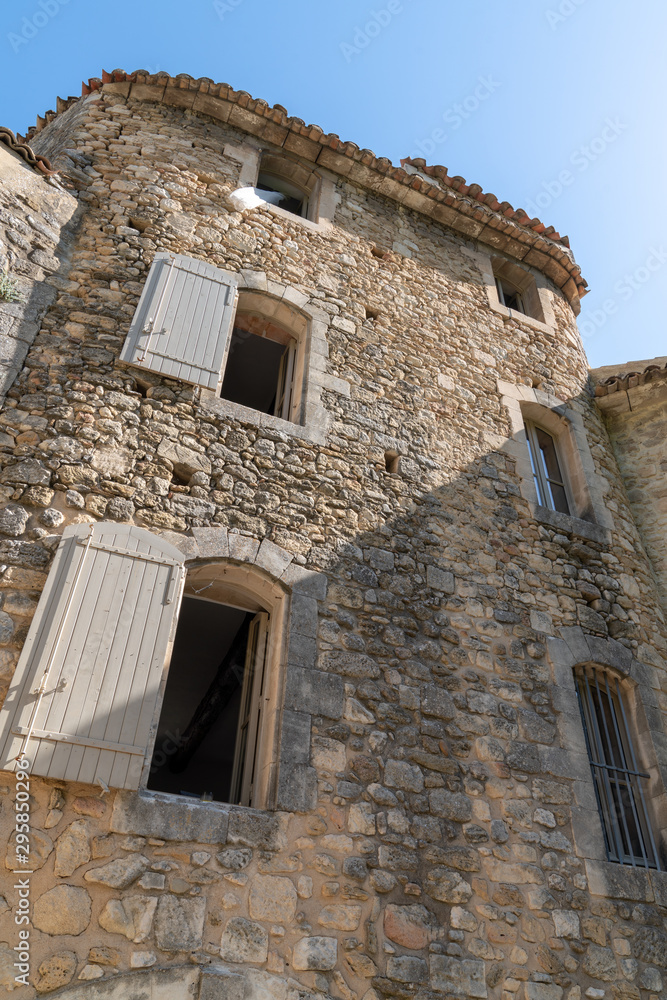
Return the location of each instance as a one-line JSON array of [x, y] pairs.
[[476, 212], [615, 378], [15, 143]]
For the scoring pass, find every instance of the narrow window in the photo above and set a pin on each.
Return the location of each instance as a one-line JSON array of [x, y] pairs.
[[289, 184], [616, 776], [549, 482], [260, 367], [210, 725], [509, 295]]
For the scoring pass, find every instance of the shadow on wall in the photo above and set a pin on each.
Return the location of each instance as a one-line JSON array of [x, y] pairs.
[[38, 220]]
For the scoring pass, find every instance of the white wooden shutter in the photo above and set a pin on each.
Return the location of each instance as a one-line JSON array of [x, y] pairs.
[[183, 323], [84, 694]]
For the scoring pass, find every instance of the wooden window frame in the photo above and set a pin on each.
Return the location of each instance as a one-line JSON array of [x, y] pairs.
[[544, 481]]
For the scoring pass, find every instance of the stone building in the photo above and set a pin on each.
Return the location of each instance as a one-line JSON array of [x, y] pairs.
[[332, 628]]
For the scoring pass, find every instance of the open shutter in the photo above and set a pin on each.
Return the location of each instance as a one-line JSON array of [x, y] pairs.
[[251, 712], [83, 699], [182, 325]]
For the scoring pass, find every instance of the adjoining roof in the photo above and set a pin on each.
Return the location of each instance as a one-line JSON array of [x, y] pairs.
[[17, 145], [615, 378], [430, 190]]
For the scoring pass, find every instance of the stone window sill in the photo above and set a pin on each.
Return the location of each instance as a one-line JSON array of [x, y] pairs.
[[175, 817], [536, 324], [313, 430], [570, 525], [614, 881]]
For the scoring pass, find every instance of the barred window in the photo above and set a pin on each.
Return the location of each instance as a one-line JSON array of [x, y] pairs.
[[617, 778]]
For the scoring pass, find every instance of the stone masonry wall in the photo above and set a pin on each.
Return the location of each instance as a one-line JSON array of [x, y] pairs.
[[440, 857], [637, 425]]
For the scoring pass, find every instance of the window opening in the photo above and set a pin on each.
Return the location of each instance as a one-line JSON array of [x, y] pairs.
[[210, 723], [391, 461], [616, 777], [291, 197], [549, 482], [370, 313], [260, 367], [509, 296]]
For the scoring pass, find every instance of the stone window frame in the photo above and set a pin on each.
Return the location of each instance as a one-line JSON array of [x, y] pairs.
[[590, 517], [300, 691], [323, 200], [534, 287], [287, 305], [640, 684]]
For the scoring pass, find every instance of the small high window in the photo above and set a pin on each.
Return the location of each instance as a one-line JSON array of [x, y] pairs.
[[617, 776], [509, 295], [517, 289], [547, 474], [288, 184]]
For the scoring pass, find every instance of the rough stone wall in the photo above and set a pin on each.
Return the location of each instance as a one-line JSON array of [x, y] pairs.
[[36, 221], [637, 425], [440, 857]]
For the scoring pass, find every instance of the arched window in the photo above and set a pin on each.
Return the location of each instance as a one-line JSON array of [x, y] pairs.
[[218, 715], [548, 476], [295, 186], [616, 769], [193, 323]]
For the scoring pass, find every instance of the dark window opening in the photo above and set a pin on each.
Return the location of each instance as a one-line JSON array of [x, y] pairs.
[[616, 776], [547, 474], [209, 727], [259, 373], [509, 296], [391, 461], [290, 197], [371, 313]]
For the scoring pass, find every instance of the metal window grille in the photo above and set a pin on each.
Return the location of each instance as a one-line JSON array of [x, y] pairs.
[[617, 779], [549, 480]]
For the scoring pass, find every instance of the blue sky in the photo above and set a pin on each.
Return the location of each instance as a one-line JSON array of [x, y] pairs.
[[553, 105]]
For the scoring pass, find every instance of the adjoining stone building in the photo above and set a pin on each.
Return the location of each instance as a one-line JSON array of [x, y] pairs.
[[332, 631]]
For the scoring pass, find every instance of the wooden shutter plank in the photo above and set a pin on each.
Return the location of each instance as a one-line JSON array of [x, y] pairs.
[[150, 296], [71, 672], [63, 664], [120, 661], [203, 330], [192, 304], [19, 702], [124, 577], [115, 603], [127, 651]]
